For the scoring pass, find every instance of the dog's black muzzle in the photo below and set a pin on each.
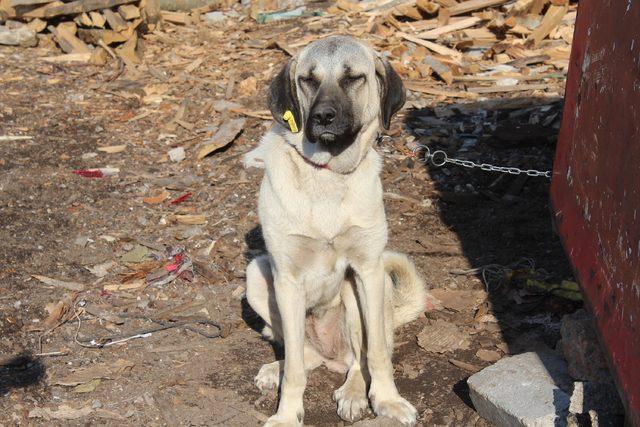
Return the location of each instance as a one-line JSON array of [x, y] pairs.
[[330, 122]]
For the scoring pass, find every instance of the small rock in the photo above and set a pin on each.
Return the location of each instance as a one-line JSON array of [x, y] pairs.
[[488, 355], [177, 154], [524, 390], [581, 348], [96, 404], [87, 156]]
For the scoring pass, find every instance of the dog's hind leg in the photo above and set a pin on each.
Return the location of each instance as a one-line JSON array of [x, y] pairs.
[[351, 397], [261, 297]]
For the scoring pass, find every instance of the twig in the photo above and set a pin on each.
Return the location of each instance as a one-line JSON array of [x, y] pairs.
[[4, 138], [145, 333], [52, 353]]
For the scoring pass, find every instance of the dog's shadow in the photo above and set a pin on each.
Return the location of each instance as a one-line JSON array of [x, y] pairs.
[[256, 247], [20, 371]]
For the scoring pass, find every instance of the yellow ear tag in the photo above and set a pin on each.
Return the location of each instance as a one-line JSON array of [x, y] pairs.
[[288, 116]]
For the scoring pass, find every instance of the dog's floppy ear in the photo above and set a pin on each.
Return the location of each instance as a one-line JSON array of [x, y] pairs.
[[392, 94], [283, 95]]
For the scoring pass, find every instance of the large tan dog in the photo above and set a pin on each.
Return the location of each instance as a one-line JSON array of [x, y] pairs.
[[324, 224]]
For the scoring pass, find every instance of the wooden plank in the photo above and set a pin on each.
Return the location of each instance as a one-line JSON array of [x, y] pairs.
[[115, 20], [15, 3], [129, 12], [446, 3], [427, 6], [97, 19], [480, 34], [181, 18], [519, 77], [95, 35], [422, 87], [34, 13], [440, 69], [70, 57], [512, 88], [37, 25], [127, 51], [67, 39], [455, 26], [551, 19], [521, 7], [437, 48], [83, 20], [471, 5], [74, 7]]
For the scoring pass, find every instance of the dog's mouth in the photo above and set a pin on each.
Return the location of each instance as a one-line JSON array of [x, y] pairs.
[[327, 137]]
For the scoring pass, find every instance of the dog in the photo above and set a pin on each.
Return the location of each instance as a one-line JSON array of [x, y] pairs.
[[327, 288]]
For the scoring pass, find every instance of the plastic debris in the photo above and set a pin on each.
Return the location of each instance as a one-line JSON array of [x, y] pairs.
[[181, 199], [96, 173]]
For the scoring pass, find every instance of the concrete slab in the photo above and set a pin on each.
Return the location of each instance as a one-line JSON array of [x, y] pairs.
[[524, 390]]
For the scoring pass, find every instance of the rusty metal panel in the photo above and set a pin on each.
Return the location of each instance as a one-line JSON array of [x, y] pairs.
[[595, 190]]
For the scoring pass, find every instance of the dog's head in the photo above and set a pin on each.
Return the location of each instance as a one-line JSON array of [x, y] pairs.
[[340, 91]]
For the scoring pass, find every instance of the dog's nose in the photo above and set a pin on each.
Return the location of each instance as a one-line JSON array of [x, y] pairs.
[[324, 115]]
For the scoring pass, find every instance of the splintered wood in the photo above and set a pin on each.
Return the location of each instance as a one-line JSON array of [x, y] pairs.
[[467, 49], [84, 29]]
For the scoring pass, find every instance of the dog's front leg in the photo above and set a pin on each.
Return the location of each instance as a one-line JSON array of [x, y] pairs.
[[291, 305], [384, 396]]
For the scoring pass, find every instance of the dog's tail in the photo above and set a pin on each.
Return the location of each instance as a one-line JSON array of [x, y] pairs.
[[409, 293]]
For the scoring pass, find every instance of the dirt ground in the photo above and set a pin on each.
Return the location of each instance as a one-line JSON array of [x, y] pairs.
[[58, 224]]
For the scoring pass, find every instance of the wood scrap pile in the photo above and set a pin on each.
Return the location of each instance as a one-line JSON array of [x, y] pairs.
[[85, 30], [473, 47]]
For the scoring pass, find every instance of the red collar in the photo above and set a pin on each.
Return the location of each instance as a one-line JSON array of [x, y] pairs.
[[314, 164]]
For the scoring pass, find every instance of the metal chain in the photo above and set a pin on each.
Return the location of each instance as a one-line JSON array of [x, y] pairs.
[[439, 158]]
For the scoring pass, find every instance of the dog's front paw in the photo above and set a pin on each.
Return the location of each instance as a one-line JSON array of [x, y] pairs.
[[352, 402], [268, 377], [397, 408], [278, 420]]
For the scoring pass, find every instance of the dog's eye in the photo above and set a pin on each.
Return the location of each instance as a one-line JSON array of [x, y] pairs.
[[352, 80], [310, 81]]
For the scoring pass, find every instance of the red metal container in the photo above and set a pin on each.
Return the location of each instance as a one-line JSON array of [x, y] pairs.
[[595, 190]]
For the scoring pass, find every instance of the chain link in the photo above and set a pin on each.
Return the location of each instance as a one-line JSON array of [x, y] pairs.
[[439, 158]]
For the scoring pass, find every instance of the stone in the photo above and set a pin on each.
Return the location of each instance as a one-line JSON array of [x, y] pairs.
[[22, 36], [529, 389], [177, 154], [581, 349]]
